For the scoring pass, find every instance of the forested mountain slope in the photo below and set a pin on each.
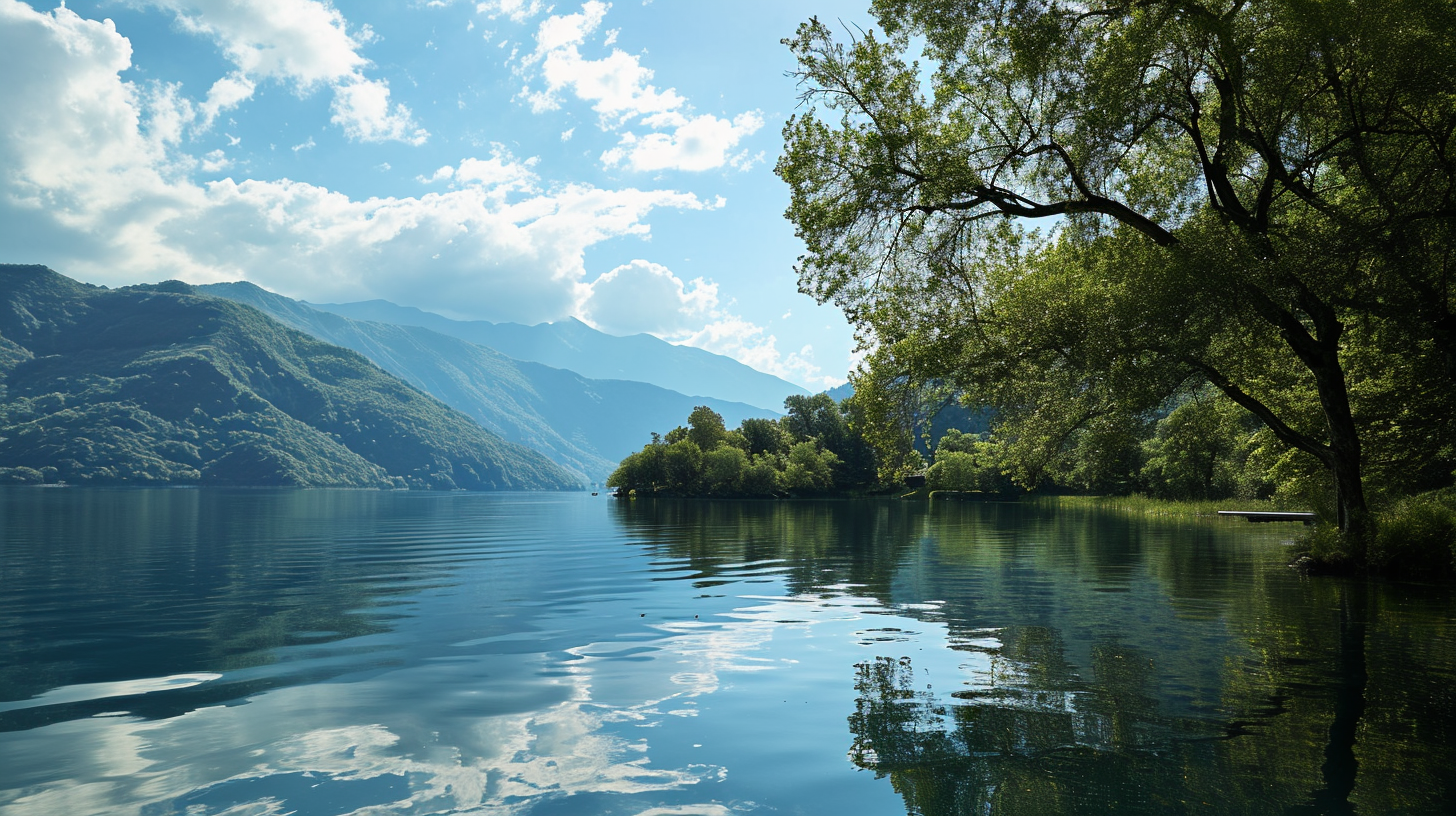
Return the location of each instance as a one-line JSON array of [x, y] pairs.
[[162, 384], [573, 345], [582, 424]]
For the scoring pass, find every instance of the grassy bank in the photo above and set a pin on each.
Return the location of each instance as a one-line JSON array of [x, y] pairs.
[[1146, 506], [1413, 537]]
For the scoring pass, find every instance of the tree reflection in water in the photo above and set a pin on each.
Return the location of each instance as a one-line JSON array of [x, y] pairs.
[[1136, 666], [1037, 739]]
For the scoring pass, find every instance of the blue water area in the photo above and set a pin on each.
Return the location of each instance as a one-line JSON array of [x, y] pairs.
[[361, 652]]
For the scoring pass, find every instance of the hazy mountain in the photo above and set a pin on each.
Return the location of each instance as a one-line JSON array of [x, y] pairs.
[[583, 424], [161, 384], [575, 346]]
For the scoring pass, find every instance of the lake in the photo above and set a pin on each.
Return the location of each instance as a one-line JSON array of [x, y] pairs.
[[332, 652]]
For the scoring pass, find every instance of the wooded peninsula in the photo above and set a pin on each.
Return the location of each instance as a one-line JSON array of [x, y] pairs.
[[1195, 250]]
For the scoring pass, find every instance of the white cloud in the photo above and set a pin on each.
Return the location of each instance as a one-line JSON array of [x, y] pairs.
[[361, 107], [700, 143], [618, 86], [468, 252], [561, 31], [443, 174], [92, 183], [501, 172], [303, 42], [78, 171], [643, 297], [752, 345], [225, 94], [519, 11], [214, 161]]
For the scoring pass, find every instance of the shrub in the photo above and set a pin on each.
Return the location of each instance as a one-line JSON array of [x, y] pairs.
[[1416, 537]]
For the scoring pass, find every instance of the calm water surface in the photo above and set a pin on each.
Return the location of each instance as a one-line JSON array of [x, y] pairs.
[[334, 652]]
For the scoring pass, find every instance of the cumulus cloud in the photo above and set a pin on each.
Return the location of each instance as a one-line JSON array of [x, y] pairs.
[[618, 85], [79, 168], [224, 95], [519, 11], [619, 88], [496, 247], [699, 143], [91, 183], [752, 345], [302, 42], [361, 107], [644, 297]]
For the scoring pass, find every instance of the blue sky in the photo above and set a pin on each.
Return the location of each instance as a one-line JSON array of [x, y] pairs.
[[503, 160]]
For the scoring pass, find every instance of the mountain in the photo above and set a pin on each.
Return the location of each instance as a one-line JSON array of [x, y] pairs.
[[164, 385], [582, 424], [573, 345]]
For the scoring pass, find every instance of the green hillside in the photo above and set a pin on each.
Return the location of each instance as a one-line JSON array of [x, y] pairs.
[[583, 424], [165, 385], [573, 345]]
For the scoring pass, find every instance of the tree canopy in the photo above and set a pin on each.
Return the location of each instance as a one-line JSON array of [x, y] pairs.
[[811, 451], [1255, 196]]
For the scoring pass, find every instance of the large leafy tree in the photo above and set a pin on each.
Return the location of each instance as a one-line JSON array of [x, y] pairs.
[[1253, 194]]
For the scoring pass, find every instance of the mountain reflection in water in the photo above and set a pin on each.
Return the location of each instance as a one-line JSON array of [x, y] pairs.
[[333, 652]]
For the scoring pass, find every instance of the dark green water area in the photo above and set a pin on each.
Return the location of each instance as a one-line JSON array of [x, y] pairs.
[[355, 652]]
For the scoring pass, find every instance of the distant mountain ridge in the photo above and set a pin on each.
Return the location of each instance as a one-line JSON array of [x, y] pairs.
[[575, 346], [585, 425], [165, 385]]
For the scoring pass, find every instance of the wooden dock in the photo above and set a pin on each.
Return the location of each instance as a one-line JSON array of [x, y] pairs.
[[1262, 516]]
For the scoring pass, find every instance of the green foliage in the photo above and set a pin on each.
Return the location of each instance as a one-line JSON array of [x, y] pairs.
[[1142, 505], [794, 456], [1207, 448], [964, 463], [808, 469], [764, 436], [1254, 197], [723, 470], [1416, 537], [705, 428], [157, 385], [761, 478], [682, 466]]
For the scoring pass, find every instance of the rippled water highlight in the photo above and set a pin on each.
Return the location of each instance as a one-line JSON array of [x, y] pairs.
[[335, 652]]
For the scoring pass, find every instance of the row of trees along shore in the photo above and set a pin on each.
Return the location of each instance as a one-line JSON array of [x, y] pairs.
[[1081, 215], [1202, 447]]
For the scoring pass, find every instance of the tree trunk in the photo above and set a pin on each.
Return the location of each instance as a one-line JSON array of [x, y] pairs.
[[1343, 453]]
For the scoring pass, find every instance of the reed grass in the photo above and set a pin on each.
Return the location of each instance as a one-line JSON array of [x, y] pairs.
[[1138, 504]]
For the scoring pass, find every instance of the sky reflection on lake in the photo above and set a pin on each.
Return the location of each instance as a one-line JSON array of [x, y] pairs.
[[334, 652]]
